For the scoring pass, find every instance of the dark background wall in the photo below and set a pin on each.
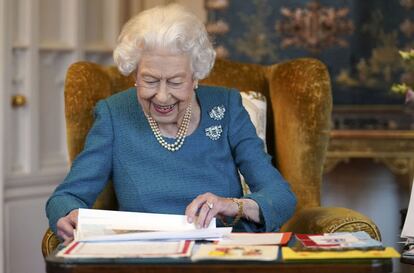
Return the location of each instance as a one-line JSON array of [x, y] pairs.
[[252, 37]]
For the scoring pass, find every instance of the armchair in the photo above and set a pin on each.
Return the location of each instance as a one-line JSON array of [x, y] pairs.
[[298, 124]]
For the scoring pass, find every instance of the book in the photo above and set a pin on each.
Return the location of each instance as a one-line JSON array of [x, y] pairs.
[[289, 254], [235, 252], [337, 241]]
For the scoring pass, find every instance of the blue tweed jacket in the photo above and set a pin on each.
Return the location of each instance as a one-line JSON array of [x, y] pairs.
[[149, 178]]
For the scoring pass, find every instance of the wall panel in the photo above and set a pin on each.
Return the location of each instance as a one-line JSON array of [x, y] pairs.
[[25, 224]]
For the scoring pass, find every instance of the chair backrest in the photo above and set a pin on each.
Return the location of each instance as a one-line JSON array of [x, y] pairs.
[[299, 108]]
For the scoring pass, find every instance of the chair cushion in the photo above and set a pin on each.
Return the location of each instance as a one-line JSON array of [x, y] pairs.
[[255, 104]]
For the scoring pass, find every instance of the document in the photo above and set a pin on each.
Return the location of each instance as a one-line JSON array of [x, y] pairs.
[[196, 234], [338, 241], [127, 249], [242, 239], [104, 225], [246, 253]]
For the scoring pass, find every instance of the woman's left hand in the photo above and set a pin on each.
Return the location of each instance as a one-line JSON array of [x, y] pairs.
[[206, 206]]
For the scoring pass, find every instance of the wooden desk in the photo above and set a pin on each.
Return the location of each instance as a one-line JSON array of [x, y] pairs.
[[394, 148], [347, 266]]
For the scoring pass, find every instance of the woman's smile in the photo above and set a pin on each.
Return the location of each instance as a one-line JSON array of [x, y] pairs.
[[164, 109]]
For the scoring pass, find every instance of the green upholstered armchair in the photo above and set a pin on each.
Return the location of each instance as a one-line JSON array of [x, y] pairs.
[[298, 124]]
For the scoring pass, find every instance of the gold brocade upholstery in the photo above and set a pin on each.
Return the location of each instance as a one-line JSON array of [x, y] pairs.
[[299, 110]]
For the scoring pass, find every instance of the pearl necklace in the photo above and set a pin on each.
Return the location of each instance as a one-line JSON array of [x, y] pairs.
[[181, 134]]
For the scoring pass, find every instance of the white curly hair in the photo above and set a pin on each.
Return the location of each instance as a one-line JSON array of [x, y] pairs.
[[170, 27]]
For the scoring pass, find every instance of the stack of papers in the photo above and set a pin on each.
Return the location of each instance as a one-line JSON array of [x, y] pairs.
[[115, 234], [104, 225], [340, 245]]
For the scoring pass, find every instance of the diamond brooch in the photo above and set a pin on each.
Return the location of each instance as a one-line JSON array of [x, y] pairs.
[[217, 113], [214, 132]]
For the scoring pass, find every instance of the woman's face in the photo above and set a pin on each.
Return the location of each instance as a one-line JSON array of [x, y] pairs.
[[165, 86]]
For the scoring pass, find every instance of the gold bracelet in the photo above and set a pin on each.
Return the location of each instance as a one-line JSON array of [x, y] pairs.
[[238, 215]]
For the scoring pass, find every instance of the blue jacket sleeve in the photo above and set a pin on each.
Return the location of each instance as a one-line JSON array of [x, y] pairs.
[[89, 172], [268, 188]]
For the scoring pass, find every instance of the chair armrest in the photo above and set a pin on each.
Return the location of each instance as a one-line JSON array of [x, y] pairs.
[[49, 243], [327, 220]]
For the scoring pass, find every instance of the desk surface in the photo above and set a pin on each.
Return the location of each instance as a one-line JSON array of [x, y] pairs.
[[54, 265]]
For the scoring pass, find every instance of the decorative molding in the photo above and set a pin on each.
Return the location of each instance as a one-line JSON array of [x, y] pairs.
[[56, 47], [99, 48], [398, 165], [332, 162], [393, 148], [54, 161], [29, 192], [46, 177]]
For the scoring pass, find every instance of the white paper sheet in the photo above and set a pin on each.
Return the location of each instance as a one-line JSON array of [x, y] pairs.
[[253, 239], [329, 239], [104, 225], [198, 234], [408, 229]]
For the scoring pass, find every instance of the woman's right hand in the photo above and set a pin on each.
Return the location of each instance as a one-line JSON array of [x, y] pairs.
[[66, 225]]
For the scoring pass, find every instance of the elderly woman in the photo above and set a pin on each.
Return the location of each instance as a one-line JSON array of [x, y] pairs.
[[170, 145]]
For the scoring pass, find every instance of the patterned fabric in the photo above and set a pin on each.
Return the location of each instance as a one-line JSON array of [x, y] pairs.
[[149, 178], [327, 220]]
